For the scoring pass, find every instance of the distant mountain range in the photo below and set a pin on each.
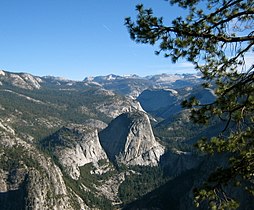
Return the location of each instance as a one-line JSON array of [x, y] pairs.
[[133, 85]]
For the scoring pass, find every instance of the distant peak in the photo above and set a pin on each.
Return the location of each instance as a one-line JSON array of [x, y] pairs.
[[2, 73]]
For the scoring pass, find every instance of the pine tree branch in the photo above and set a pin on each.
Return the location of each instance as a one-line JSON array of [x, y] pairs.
[[229, 4], [230, 18], [214, 37]]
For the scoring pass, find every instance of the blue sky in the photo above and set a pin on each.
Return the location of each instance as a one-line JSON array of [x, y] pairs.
[[78, 38]]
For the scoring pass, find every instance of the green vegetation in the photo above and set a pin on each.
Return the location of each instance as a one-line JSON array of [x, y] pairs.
[[142, 179], [41, 112], [178, 130], [90, 180], [84, 187], [90, 194], [216, 37], [16, 157], [90, 198]]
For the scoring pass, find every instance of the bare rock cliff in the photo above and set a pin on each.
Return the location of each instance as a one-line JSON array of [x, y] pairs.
[[129, 140], [29, 177], [77, 145]]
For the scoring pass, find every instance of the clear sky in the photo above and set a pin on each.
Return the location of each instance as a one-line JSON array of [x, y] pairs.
[[78, 38]]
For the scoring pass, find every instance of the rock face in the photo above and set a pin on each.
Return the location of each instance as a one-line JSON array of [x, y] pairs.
[[21, 80], [77, 145], [110, 188], [129, 140], [119, 106], [29, 178]]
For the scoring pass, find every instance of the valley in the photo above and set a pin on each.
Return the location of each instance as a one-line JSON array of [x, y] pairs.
[[108, 142]]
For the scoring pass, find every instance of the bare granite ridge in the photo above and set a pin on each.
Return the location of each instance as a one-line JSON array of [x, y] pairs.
[[76, 145], [129, 140], [34, 180]]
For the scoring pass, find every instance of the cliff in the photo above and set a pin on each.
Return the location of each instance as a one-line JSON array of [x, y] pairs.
[[76, 145], [29, 177], [129, 140]]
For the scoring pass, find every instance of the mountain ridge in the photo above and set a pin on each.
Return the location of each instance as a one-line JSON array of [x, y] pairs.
[[109, 82]]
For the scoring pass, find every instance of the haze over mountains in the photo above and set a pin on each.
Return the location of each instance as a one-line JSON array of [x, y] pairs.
[[108, 142]]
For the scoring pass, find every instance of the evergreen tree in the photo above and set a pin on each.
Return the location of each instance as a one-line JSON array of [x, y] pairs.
[[217, 37]]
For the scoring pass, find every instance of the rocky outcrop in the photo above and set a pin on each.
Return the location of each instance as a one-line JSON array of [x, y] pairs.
[[77, 145], [129, 140], [29, 178], [119, 106], [110, 188], [21, 80]]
